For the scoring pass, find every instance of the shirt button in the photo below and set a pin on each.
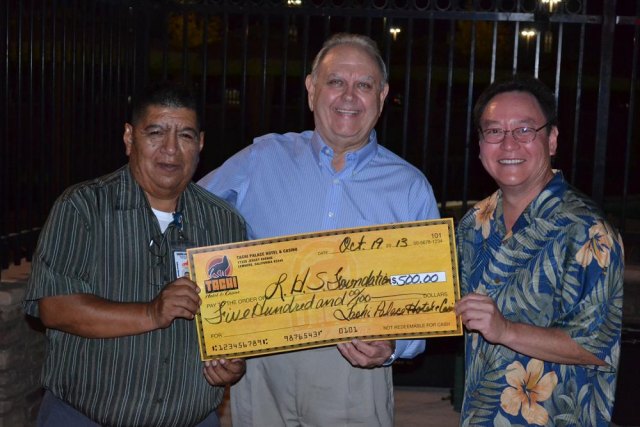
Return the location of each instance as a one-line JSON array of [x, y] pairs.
[[336, 181], [331, 214]]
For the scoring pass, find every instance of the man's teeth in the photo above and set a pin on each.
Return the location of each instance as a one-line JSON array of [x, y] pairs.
[[510, 161]]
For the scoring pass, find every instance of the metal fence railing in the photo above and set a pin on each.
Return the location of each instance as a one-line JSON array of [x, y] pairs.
[[71, 65]]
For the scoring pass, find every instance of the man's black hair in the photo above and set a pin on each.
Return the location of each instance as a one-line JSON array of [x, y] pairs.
[[519, 83], [166, 94]]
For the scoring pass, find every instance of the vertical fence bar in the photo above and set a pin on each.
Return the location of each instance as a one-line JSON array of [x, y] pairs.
[[185, 46], [305, 70], [327, 27], [62, 94], [122, 66], [54, 137], [4, 131], [382, 137], [18, 106], [494, 50], [81, 150], [576, 122], [139, 57], [109, 99], [46, 153], [604, 96], [367, 26], [536, 65], [264, 72], [92, 47], [243, 87], [29, 160], [284, 70], [7, 148], [447, 121], [516, 41], [223, 75], [100, 108], [631, 120], [407, 89], [166, 15], [205, 67], [427, 96], [559, 60], [470, 128]]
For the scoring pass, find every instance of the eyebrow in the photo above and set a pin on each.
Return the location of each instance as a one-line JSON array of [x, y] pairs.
[[159, 126], [523, 122], [368, 77]]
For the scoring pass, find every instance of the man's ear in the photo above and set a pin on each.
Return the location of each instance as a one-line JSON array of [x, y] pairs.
[[311, 90], [127, 137], [201, 140], [383, 95], [553, 141]]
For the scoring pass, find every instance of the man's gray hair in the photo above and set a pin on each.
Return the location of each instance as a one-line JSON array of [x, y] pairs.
[[358, 40]]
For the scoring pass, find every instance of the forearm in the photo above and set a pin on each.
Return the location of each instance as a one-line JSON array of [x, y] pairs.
[[548, 344], [92, 317]]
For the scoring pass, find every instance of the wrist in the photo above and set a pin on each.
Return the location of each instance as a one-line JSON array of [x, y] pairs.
[[390, 360]]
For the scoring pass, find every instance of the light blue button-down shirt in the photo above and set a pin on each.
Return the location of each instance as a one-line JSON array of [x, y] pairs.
[[285, 184]]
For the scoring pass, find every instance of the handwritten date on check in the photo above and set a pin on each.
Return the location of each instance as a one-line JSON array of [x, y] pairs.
[[311, 290]]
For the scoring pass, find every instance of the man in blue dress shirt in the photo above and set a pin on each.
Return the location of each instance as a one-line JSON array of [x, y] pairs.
[[334, 177]]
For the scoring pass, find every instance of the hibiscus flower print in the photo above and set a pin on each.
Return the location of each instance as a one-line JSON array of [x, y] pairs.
[[598, 246], [526, 389], [484, 214]]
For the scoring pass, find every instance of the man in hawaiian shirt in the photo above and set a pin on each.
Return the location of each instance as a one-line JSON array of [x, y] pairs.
[[542, 275]]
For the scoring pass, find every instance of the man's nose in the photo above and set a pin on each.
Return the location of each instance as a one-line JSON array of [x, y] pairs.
[[348, 92], [509, 141], [170, 143]]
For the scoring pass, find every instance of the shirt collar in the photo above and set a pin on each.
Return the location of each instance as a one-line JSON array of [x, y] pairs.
[[130, 194], [355, 160], [544, 202]]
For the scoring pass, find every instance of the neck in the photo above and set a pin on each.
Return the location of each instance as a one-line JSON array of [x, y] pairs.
[[338, 162], [512, 208], [341, 150], [516, 200], [164, 205]]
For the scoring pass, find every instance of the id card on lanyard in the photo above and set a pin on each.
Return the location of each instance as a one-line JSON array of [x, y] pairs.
[[180, 258], [179, 248]]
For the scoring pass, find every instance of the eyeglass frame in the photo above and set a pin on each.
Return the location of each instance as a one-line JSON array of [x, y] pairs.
[[513, 135]]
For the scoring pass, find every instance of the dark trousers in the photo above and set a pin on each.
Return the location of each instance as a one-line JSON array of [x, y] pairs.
[[57, 413]]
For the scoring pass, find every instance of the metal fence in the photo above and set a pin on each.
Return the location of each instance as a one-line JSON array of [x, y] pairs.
[[71, 67]]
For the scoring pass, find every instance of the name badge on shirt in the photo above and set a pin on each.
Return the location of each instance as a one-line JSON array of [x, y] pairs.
[[181, 263], [180, 257]]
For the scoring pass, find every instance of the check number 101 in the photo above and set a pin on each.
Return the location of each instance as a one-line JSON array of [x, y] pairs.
[[418, 278]]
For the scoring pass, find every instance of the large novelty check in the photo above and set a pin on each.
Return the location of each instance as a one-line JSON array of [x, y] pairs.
[[311, 290]]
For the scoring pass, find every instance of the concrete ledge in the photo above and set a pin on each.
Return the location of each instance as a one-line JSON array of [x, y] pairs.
[[22, 350]]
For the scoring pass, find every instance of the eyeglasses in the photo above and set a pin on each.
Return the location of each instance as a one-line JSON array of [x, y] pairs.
[[524, 135]]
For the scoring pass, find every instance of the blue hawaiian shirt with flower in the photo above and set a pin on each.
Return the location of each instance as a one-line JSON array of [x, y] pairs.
[[561, 266]]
